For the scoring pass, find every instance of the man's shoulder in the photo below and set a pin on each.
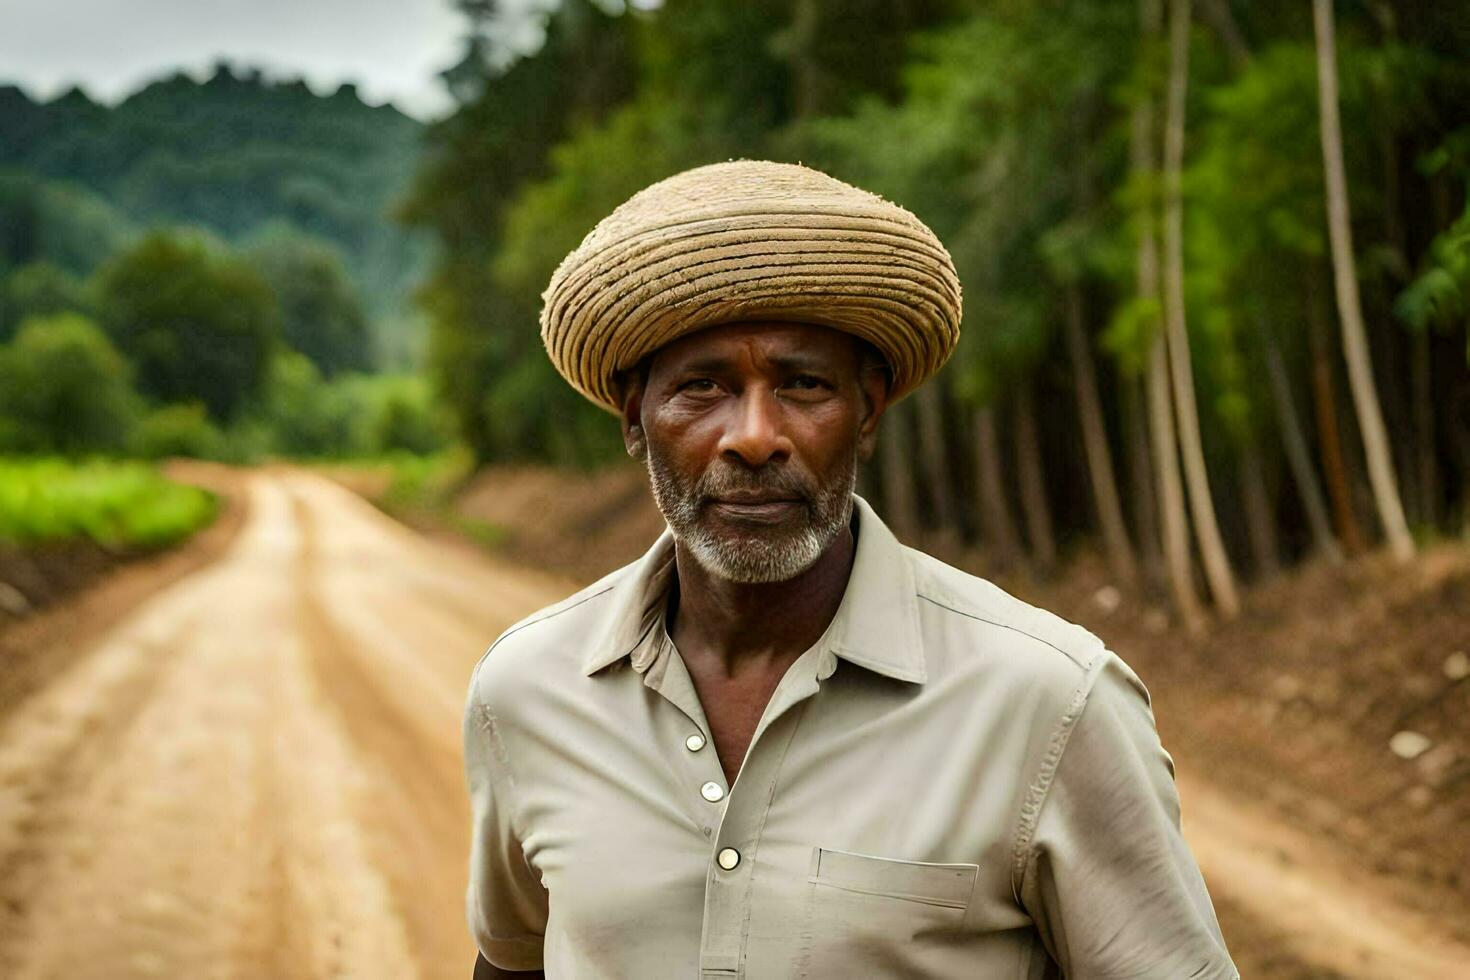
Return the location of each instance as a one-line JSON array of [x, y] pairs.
[[549, 641], [990, 627]]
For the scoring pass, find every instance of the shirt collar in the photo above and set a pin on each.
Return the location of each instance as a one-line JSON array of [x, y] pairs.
[[876, 625]]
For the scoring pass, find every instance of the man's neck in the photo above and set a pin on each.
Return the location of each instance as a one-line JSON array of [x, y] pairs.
[[757, 625]]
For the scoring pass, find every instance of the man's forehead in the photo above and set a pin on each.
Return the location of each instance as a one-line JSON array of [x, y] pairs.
[[776, 340]]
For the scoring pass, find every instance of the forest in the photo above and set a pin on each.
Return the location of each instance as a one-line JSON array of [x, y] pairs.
[[1215, 255], [209, 268]]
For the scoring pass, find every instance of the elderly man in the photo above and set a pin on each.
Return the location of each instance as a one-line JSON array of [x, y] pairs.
[[782, 744]]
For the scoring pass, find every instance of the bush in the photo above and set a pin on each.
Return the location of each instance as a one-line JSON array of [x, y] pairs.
[[178, 430], [118, 505], [39, 289], [64, 388]]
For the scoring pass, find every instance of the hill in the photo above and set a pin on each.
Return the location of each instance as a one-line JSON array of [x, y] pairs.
[[242, 156]]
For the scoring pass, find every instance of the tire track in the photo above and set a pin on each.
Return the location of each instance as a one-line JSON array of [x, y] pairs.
[[420, 811]]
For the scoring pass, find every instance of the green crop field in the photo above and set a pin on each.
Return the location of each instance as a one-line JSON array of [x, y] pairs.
[[120, 505]]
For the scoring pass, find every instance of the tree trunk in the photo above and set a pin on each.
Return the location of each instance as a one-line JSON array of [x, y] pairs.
[[1141, 480], [1033, 484], [1000, 534], [1423, 394], [1260, 522], [1160, 405], [1329, 438], [1095, 444], [1349, 308], [1171, 492], [932, 454], [896, 469], [1297, 455], [1207, 529]]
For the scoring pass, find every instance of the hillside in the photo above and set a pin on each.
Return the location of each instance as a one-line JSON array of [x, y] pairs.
[[243, 157]]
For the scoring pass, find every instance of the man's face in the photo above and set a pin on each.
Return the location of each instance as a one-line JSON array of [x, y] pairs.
[[752, 433]]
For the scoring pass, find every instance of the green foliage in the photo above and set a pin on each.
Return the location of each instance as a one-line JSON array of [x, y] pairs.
[[300, 414], [197, 324], [118, 505], [64, 388], [39, 289], [231, 154], [181, 429], [320, 314], [62, 224], [1439, 297], [990, 107]]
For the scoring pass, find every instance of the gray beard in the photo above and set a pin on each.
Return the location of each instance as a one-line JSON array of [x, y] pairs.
[[764, 555]]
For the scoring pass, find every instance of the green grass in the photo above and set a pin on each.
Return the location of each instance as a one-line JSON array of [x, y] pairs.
[[120, 505]]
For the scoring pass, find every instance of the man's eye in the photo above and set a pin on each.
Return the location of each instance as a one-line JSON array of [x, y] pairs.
[[698, 385], [806, 382]]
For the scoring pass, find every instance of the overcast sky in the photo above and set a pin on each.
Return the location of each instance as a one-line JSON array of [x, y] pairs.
[[390, 48]]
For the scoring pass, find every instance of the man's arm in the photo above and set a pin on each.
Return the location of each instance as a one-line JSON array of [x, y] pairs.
[[484, 970], [506, 905], [1108, 879]]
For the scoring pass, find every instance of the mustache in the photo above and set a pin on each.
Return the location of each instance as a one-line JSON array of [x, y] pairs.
[[728, 479]]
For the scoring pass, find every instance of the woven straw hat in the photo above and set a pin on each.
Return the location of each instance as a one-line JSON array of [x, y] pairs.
[[750, 240]]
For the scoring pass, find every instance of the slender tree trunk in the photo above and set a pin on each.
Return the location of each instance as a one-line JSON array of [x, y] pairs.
[[1220, 17], [1171, 492], [930, 411], [1000, 533], [1141, 479], [896, 470], [1095, 443], [1033, 484], [1260, 522], [1425, 462], [1207, 529], [1329, 437], [1350, 310], [1297, 455], [1172, 518]]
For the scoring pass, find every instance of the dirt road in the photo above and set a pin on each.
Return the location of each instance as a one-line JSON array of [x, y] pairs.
[[256, 773]]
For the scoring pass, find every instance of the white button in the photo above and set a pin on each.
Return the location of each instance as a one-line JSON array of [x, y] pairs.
[[712, 791], [694, 742], [728, 858]]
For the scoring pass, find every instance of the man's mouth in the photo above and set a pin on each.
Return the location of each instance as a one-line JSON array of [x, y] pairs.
[[760, 508]]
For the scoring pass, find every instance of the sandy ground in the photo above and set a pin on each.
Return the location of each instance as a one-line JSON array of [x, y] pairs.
[[255, 772]]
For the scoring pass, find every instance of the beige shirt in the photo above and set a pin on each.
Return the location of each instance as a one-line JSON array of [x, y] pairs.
[[949, 783]]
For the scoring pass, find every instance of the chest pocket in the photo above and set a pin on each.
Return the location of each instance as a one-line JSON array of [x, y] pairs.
[[945, 885], [874, 916]]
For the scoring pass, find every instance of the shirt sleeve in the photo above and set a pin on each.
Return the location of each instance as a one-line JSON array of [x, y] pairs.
[[1109, 881], [506, 904]]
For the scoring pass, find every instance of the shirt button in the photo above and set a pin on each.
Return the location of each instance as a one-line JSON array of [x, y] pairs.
[[728, 858], [712, 791], [694, 742]]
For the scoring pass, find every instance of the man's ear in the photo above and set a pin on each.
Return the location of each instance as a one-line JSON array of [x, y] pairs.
[[874, 384], [630, 391]]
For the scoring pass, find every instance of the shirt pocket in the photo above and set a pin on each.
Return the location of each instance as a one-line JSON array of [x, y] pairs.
[[870, 916], [944, 885]]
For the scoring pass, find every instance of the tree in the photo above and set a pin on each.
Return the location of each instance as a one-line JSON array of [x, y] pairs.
[[1207, 528], [1349, 306], [196, 323], [64, 388], [1145, 314], [320, 313], [39, 289]]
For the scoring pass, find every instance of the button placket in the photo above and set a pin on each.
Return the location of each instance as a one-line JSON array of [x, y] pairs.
[[693, 763], [735, 846]]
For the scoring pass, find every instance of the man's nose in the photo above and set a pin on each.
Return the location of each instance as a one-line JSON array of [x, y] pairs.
[[755, 432]]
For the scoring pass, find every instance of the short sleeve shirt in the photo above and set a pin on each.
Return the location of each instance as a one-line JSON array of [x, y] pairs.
[[949, 783]]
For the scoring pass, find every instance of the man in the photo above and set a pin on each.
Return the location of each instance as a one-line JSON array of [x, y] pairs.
[[781, 744]]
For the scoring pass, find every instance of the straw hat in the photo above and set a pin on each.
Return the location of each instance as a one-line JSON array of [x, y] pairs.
[[750, 240]]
